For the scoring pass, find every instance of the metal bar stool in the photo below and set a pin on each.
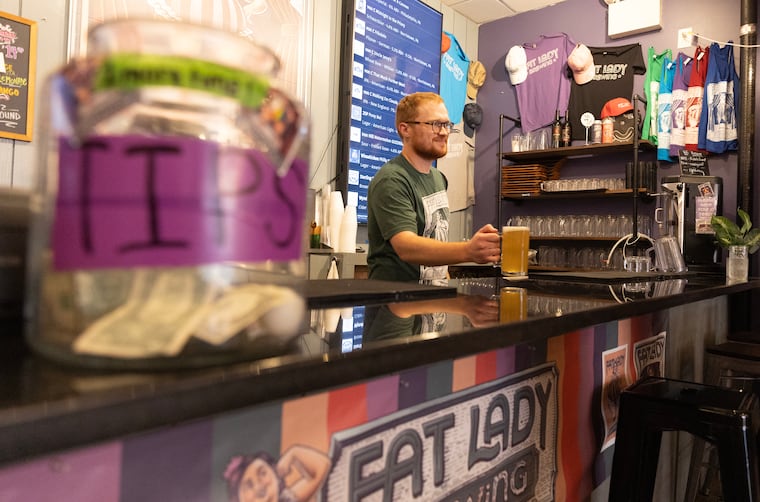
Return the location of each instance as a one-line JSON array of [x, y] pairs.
[[725, 417], [736, 365]]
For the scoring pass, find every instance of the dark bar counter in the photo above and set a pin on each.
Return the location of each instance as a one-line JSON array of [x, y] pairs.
[[47, 408]]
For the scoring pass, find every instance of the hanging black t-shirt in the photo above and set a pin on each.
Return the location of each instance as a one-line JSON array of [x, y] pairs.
[[615, 68]]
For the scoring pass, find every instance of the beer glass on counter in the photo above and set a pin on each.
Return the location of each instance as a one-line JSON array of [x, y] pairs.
[[514, 251]]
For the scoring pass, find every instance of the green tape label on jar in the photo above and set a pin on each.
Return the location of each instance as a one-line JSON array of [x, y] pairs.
[[133, 71]]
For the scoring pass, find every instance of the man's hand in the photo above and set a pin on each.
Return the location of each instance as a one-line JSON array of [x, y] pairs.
[[485, 245]]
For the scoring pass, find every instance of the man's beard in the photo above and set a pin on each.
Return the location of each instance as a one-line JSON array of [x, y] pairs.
[[431, 151]]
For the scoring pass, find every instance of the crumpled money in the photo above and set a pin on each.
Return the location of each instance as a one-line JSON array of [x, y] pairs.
[[167, 308]]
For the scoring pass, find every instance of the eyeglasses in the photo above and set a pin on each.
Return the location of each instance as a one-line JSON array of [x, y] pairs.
[[435, 124]]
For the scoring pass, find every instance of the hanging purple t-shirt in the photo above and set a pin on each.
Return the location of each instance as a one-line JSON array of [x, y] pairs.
[[547, 87], [681, 79]]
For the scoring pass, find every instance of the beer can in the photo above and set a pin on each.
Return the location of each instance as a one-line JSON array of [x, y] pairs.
[[607, 127], [596, 132]]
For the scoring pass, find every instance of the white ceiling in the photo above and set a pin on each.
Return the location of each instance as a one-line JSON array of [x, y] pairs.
[[483, 11]]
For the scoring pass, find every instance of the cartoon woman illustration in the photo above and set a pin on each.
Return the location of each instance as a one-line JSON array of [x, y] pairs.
[[440, 226], [295, 477]]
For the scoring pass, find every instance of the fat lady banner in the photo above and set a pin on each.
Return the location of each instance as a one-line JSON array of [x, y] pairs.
[[496, 441]]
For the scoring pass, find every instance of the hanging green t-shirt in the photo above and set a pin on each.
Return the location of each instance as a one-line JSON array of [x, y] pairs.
[[651, 91]]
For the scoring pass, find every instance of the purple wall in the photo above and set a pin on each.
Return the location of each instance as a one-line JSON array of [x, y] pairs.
[[585, 21]]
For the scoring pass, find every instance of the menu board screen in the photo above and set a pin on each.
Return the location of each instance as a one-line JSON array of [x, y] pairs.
[[391, 48]]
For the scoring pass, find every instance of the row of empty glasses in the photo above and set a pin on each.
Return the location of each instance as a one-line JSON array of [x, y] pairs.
[[539, 306], [609, 226], [580, 184], [534, 140], [582, 258]]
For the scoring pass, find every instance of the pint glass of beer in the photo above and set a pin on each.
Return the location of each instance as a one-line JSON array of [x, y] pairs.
[[514, 250]]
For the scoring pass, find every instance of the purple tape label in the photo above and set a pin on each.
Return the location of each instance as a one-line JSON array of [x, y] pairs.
[[126, 201]]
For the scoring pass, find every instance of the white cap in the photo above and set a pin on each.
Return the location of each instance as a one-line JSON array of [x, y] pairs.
[[516, 63], [581, 62]]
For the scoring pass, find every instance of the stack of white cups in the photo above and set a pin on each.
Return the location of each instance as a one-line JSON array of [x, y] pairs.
[[335, 218], [340, 224], [323, 200], [348, 227]]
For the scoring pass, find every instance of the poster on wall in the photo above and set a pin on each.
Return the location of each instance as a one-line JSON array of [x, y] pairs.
[[650, 356], [615, 378], [18, 51]]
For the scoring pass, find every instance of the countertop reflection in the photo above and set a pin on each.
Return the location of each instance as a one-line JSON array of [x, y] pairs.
[[481, 302]]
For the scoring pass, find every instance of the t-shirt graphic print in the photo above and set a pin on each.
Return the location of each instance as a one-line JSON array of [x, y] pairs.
[[436, 207]]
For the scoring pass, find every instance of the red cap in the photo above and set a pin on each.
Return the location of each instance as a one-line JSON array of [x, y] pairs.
[[615, 107]]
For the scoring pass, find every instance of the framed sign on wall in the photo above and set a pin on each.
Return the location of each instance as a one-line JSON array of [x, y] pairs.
[[18, 52]]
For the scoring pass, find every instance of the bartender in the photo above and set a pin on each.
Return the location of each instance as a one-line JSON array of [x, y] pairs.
[[408, 209]]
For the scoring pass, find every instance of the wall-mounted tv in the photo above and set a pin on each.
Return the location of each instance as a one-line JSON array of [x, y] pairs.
[[391, 48]]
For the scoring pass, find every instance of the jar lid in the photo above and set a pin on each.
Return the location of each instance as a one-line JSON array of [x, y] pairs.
[[175, 38]]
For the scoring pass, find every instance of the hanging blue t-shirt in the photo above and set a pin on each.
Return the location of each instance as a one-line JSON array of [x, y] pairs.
[[664, 107], [718, 127], [454, 67]]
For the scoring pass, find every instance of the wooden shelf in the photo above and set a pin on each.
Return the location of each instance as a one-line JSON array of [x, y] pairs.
[[575, 151]]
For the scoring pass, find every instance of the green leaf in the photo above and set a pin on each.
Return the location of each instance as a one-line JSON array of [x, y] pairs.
[[726, 231], [746, 222], [752, 240]]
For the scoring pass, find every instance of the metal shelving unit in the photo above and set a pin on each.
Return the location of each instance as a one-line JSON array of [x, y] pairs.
[[552, 155]]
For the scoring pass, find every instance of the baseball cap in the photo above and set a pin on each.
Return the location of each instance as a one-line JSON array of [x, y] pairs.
[[581, 62], [476, 75], [516, 63], [615, 107], [445, 43], [472, 116]]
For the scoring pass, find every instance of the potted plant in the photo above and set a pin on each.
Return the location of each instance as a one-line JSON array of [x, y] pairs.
[[740, 242]]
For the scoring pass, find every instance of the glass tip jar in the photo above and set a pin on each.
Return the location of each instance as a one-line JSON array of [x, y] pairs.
[[168, 224]]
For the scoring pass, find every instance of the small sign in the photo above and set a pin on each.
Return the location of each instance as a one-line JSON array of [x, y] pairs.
[[693, 163], [18, 49], [706, 206]]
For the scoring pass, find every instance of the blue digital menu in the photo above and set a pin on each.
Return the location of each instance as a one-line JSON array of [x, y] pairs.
[[352, 330], [396, 50]]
